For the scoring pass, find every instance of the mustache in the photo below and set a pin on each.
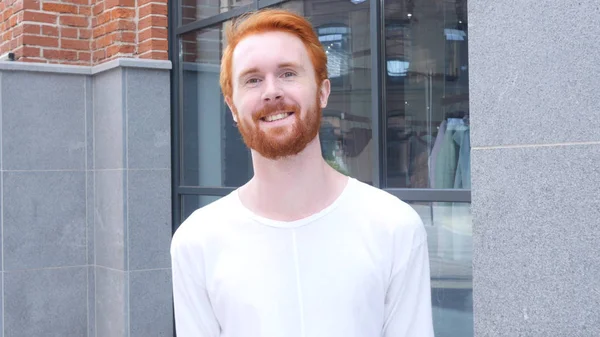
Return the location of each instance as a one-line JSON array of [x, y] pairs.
[[271, 108]]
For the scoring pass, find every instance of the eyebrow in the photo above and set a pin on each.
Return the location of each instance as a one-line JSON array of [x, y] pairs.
[[248, 72], [290, 65], [280, 65]]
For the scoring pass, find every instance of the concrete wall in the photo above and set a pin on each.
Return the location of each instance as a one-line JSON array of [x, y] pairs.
[[86, 207], [535, 116]]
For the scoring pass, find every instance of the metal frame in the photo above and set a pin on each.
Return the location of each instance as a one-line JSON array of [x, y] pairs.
[[377, 87], [378, 105], [173, 20]]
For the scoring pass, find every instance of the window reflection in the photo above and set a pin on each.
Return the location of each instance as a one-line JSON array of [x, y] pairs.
[[193, 10], [450, 240], [334, 39], [397, 67], [213, 153], [427, 111]]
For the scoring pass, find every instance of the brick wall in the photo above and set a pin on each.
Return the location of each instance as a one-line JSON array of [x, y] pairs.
[[83, 32], [11, 14]]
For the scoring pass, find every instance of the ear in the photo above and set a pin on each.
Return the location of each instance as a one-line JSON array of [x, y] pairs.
[[229, 102], [324, 92]]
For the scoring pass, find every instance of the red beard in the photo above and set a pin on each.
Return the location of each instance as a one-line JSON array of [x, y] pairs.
[[284, 141]]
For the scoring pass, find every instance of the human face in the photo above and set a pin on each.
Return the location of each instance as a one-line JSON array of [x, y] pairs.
[[276, 101]]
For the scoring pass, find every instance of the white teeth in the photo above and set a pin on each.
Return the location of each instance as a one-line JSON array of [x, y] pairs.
[[276, 117]]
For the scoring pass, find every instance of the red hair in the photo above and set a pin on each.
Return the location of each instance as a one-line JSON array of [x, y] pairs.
[[269, 20]]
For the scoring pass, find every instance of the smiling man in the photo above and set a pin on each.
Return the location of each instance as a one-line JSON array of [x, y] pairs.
[[300, 250]]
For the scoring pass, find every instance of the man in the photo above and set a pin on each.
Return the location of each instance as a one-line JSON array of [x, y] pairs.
[[300, 250]]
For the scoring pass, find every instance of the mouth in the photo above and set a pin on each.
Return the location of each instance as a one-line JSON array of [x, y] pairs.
[[277, 117]]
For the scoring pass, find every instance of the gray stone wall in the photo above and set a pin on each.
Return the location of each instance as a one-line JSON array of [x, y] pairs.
[[44, 167], [535, 116], [86, 206]]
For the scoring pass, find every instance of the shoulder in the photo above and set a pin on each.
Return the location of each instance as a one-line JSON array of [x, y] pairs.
[[204, 223], [384, 205], [385, 210]]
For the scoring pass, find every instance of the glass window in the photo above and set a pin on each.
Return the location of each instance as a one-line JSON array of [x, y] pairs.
[[335, 39], [426, 98], [213, 153], [193, 10], [449, 231]]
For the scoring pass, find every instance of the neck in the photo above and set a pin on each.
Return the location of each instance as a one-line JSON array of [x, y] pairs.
[[291, 188]]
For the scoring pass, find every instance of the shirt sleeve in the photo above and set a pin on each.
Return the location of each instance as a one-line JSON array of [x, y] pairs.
[[408, 300], [194, 316]]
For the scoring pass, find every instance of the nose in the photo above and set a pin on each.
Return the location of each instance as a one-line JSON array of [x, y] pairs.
[[272, 91]]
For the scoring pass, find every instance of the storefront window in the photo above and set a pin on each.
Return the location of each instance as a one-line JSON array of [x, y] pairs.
[[213, 153], [427, 106]]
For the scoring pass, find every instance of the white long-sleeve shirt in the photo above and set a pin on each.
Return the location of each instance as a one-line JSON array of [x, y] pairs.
[[358, 268]]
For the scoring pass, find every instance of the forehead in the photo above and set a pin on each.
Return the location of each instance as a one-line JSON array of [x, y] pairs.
[[266, 50]]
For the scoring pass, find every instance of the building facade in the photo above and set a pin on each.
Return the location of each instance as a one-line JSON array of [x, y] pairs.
[[113, 130]]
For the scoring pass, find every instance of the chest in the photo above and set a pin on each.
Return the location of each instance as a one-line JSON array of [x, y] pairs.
[[282, 272]]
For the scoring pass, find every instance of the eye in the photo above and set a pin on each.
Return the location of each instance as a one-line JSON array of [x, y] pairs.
[[288, 74], [252, 81]]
